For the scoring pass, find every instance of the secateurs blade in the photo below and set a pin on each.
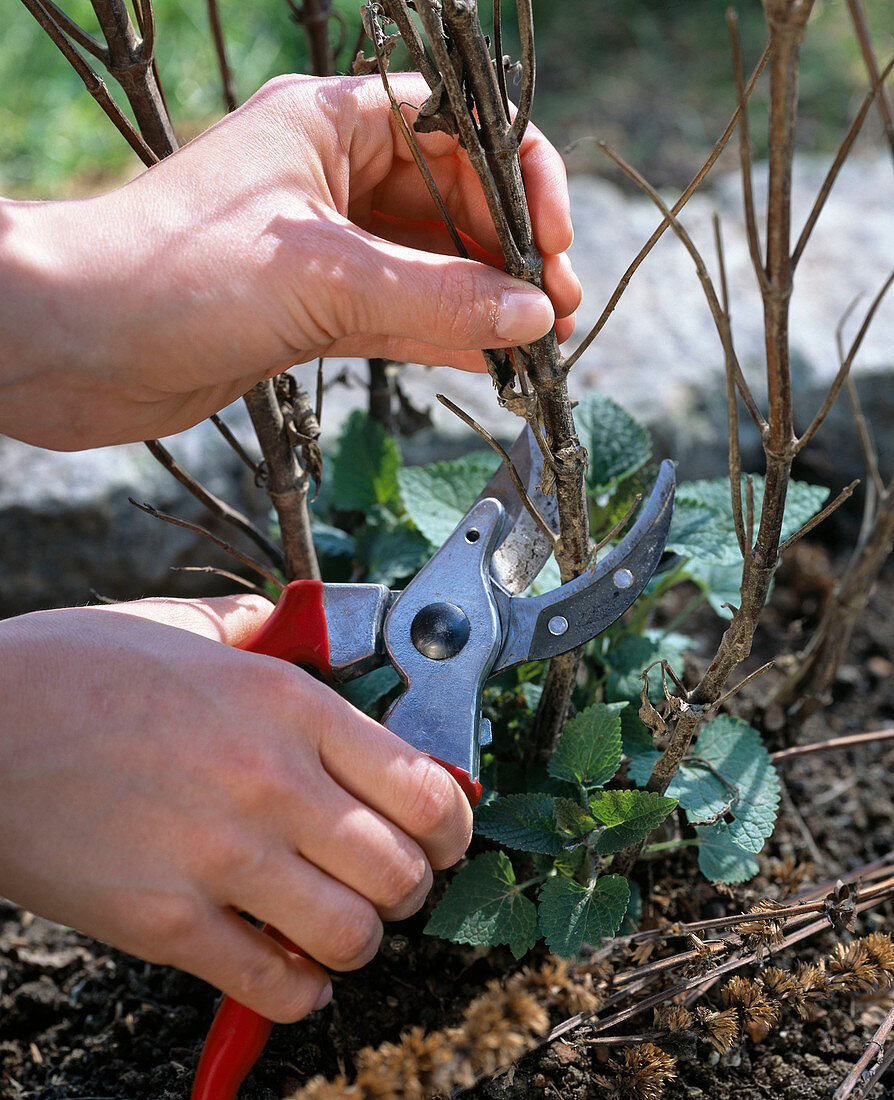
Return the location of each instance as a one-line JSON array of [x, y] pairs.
[[461, 620]]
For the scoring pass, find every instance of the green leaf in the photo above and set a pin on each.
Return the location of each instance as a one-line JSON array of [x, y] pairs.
[[365, 466], [639, 747], [703, 526], [720, 583], [737, 773], [719, 859], [332, 542], [617, 444], [633, 654], [589, 751], [523, 821], [572, 915], [366, 691], [629, 816], [391, 552], [484, 906], [572, 819], [436, 497]]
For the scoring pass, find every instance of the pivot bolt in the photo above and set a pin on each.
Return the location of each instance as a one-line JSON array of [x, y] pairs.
[[440, 630]]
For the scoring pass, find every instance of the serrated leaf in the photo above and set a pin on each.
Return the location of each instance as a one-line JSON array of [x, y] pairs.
[[437, 496], [366, 691], [572, 819], [617, 444], [484, 906], [392, 553], [737, 772], [364, 466], [589, 750], [629, 816], [703, 526], [523, 821], [719, 859], [572, 915]]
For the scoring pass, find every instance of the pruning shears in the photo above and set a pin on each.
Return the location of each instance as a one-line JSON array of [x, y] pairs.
[[461, 620]]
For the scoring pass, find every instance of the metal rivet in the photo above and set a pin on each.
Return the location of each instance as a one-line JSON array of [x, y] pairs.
[[440, 630], [623, 578], [557, 625]]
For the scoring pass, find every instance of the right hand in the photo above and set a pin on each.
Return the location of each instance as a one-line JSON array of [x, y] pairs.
[[154, 783]]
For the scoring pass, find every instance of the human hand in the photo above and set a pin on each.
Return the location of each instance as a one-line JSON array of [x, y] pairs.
[[297, 227], [154, 783]]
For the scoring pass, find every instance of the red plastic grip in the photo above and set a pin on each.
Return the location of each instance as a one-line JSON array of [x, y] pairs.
[[296, 631]]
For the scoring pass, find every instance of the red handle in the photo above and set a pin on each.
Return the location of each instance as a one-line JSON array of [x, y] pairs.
[[296, 632]]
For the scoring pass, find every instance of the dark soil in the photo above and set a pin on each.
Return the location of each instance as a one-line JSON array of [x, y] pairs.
[[80, 1021]]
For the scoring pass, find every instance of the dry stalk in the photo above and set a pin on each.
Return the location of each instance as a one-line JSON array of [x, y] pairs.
[[468, 99]]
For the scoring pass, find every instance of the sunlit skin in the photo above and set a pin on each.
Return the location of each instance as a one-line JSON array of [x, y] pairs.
[[297, 227], [155, 781]]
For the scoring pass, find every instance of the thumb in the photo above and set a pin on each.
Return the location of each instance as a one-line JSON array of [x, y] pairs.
[[390, 290], [227, 619]]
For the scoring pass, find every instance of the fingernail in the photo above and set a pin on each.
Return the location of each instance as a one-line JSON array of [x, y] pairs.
[[524, 314], [324, 998]]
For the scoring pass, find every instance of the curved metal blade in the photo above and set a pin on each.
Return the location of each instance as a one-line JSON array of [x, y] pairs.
[[524, 550], [543, 626]]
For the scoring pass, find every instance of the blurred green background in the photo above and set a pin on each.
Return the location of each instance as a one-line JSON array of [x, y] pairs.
[[652, 77]]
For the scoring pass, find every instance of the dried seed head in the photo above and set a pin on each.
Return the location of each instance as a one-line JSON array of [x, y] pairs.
[[318, 1088], [853, 968], [644, 1072], [777, 983], [757, 935], [721, 1029], [672, 1018], [757, 1013]]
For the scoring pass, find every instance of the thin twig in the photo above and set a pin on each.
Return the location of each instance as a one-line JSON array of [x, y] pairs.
[[732, 405], [213, 503], [507, 462], [76, 31], [223, 63], [690, 190], [743, 683], [498, 51], [844, 495], [840, 157], [529, 68], [754, 246], [617, 528], [861, 30], [701, 269], [374, 33], [225, 573], [845, 367], [848, 742], [228, 435], [95, 85], [262, 570], [875, 1050]]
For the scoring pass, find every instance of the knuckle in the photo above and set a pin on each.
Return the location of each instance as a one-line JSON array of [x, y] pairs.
[[431, 808], [162, 925], [266, 979], [354, 937], [404, 881]]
